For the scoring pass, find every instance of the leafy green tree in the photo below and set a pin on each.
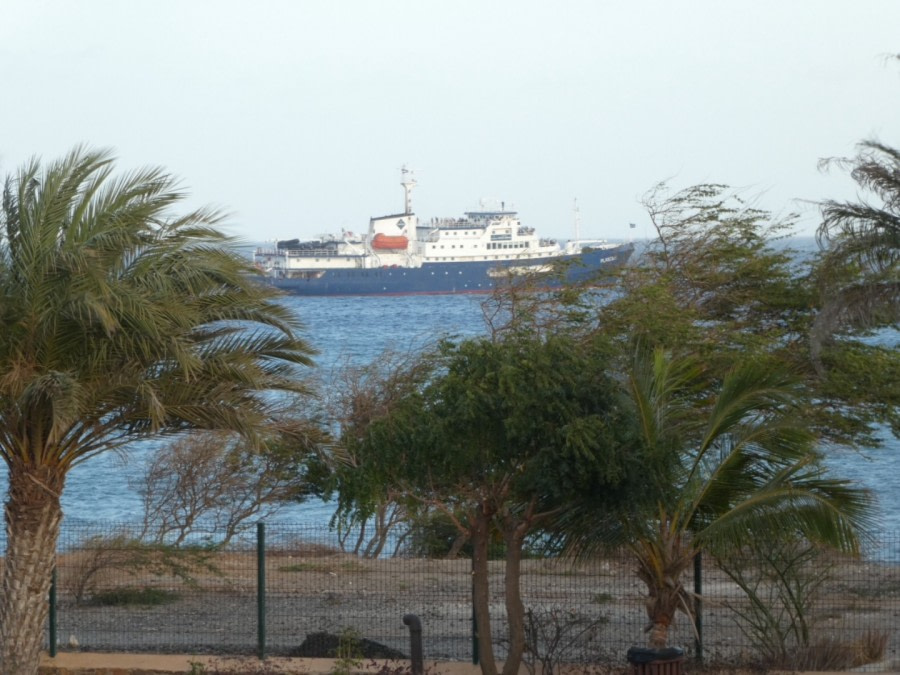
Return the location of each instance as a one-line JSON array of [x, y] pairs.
[[711, 279], [497, 436], [745, 467], [122, 320], [719, 282]]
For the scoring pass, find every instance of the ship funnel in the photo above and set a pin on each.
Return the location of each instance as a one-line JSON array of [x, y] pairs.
[[408, 184]]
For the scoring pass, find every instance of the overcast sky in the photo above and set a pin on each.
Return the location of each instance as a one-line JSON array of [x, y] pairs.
[[296, 116]]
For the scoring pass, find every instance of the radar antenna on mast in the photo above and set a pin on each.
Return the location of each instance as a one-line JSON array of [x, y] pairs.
[[408, 183]]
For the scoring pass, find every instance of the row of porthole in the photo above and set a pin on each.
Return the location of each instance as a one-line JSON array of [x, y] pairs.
[[404, 273], [496, 257], [492, 246], [338, 273]]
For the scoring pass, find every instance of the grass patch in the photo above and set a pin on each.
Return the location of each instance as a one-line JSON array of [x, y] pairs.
[[304, 567], [325, 567], [602, 598], [127, 597]]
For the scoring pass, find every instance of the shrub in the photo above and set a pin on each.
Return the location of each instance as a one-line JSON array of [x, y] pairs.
[[835, 654], [555, 636], [129, 596], [98, 557]]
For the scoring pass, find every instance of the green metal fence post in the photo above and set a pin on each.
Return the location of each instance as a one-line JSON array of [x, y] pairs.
[[261, 590], [51, 620], [474, 620], [698, 605]]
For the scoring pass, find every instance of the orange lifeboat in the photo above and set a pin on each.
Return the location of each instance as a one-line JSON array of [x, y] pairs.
[[385, 242]]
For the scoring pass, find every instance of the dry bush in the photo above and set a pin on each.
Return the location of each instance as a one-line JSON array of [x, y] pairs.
[[304, 549], [555, 636], [102, 562], [836, 654], [213, 482], [780, 582]]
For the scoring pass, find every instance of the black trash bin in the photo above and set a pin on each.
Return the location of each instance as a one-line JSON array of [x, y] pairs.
[[648, 661]]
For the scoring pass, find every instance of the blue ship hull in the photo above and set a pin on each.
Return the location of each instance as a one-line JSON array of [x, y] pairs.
[[452, 277]]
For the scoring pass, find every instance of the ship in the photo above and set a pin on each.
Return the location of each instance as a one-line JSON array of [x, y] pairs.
[[399, 255]]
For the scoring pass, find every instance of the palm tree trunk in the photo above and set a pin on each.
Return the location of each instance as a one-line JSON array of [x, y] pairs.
[[33, 515], [662, 603], [659, 635]]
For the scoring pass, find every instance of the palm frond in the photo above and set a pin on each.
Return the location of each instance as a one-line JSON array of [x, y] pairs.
[[124, 318]]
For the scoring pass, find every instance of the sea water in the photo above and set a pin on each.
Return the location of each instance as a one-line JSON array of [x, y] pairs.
[[342, 330], [356, 330]]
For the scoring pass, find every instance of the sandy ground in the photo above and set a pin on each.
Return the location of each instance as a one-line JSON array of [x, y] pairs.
[[155, 664], [592, 613]]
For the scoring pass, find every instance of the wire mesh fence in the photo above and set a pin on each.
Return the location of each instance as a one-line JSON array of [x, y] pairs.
[[115, 592]]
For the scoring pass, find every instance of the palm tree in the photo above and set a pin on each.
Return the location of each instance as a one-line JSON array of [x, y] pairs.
[[121, 320], [860, 270], [743, 466]]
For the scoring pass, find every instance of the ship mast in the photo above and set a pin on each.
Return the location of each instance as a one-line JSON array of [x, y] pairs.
[[408, 184], [577, 222]]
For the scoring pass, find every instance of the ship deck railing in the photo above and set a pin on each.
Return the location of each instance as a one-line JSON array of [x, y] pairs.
[[319, 253]]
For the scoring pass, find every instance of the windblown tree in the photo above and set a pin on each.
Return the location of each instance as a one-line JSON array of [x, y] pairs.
[[718, 281], [370, 512], [859, 273], [741, 465], [497, 436], [210, 485], [121, 320], [711, 279], [866, 235]]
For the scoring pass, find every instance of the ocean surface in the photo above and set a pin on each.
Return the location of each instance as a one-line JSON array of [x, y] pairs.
[[356, 330]]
